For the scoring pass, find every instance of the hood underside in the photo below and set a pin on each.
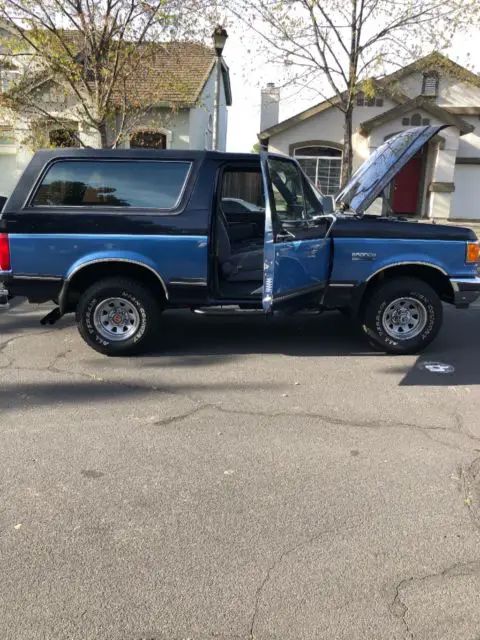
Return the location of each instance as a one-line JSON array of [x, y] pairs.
[[368, 182]]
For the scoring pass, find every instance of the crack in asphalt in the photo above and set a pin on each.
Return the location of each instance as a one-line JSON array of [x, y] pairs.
[[332, 420], [468, 475], [398, 606], [270, 570], [427, 431], [400, 609]]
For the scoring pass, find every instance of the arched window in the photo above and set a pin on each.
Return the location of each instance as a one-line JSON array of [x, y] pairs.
[[322, 164], [148, 140], [63, 138], [416, 120]]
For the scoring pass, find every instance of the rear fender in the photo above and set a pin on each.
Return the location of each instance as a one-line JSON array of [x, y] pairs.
[[105, 257]]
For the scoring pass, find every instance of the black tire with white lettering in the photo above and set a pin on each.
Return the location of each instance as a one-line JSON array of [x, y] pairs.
[[402, 316], [118, 316]]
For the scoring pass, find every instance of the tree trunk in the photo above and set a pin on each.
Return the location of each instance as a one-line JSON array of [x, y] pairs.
[[347, 159], [102, 129]]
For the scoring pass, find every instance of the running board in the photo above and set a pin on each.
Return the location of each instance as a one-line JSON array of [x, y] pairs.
[[236, 311], [227, 311]]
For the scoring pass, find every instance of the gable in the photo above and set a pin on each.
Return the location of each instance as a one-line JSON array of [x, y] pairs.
[[455, 93], [452, 91]]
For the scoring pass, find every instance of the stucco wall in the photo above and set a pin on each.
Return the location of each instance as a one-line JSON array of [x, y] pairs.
[[470, 144], [452, 92], [201, 118], [326, 126], [411, 85]]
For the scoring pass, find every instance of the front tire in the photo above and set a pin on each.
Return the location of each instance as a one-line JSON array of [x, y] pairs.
[[118, 317], [402, 316]]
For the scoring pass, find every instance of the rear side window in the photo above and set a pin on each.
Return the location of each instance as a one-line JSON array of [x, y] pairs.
[[143, 184]]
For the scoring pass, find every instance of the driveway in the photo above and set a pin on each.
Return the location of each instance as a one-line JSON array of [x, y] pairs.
[[248, 480]]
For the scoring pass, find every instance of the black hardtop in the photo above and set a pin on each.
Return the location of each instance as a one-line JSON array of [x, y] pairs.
[[46, 155]]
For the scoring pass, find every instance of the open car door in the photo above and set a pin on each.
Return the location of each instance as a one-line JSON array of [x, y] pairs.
[[297, 247]]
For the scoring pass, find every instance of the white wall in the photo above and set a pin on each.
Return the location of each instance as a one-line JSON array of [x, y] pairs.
[[411, 85], [454, 93], [326, 125], [201, 118], [466, 197], [470, 144], [451, 91]]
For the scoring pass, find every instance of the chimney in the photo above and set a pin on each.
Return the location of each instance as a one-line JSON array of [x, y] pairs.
[[270, 105]]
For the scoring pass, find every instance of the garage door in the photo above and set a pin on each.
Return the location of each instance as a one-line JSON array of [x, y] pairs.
[[466, 197]]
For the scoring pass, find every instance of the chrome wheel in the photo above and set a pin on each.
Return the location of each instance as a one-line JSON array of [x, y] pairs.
[[404, 318], [116, 319]]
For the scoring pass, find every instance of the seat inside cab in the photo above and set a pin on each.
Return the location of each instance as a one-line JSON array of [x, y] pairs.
[[239, 233]]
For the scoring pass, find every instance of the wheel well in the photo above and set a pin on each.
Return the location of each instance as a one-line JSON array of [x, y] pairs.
[[432, 276], [89, 274]]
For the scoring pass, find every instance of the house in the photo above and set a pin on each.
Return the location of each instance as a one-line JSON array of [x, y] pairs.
[[180, 117], [441, 182]]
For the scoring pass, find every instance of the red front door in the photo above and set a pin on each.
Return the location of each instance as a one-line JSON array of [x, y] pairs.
[[406, 187]]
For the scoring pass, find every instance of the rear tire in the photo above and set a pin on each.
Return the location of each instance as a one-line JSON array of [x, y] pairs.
[[402, 316], [118, 317]]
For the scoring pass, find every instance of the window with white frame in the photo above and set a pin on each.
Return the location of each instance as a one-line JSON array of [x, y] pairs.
[[323, 165]]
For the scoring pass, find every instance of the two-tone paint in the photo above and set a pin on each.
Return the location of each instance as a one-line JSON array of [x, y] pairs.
[[329, 257]]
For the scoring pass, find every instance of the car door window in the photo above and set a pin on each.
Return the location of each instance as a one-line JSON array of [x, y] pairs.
[[241, 191], [288, 193]]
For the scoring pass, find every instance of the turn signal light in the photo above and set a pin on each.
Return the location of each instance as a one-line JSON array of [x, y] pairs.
[[473, 252], [4, 252]]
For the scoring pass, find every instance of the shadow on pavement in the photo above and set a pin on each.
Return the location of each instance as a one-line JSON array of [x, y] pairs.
[[25, 395], [457, 345], [330, 334]]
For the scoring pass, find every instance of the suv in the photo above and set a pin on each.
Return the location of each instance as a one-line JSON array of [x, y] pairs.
[[119, 236]]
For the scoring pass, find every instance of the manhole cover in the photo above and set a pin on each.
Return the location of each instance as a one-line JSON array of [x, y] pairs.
[[436, 367]]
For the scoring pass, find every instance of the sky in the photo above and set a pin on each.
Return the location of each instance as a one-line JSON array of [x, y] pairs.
[[249, 74]]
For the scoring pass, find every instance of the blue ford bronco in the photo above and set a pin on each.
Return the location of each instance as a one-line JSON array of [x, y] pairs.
[[119, 236]]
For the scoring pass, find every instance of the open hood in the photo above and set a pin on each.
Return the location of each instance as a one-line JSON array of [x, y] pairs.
[[368, 182]]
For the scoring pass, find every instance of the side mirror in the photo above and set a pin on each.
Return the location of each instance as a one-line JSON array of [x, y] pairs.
[[328, 204]]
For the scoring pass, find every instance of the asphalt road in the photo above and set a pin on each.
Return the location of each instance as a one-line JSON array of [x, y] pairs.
[[248, 480]]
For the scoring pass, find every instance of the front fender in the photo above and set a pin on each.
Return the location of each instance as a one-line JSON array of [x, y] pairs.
[[407, 259], [360, 259]]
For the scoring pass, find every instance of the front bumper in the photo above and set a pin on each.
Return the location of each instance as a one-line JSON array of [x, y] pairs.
[[466, 290]]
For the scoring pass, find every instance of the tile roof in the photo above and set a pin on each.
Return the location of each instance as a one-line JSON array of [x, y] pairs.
[[170, 73], [174, 73]]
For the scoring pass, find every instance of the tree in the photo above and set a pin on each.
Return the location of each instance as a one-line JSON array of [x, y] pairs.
[[336, 46], [99, 60]]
